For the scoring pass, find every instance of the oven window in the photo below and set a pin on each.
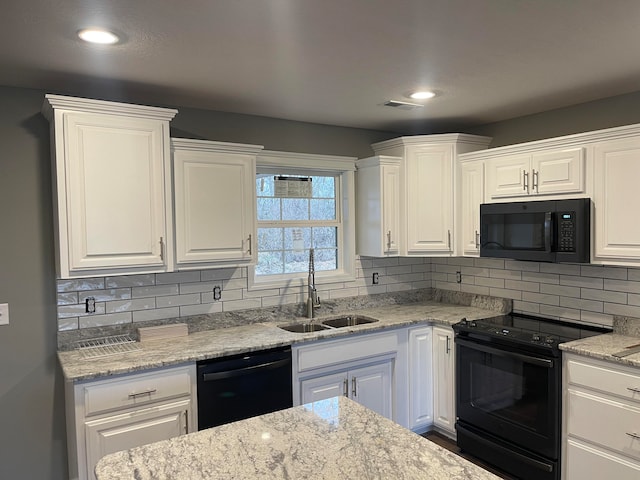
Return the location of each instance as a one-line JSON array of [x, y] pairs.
[[509, 389]]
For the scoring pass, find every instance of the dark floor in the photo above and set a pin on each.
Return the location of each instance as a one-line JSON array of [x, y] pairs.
[[450, 445]]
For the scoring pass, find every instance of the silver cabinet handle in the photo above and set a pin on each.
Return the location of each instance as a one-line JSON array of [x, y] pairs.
[[140, 394], [535, 181], [353, 387], [448, 344], [345, 384], [477, 239], [633, 389], [449, 239], [389, 240], [525, 181], [186, 421], [249, 244], [634, 435], [161, 249]]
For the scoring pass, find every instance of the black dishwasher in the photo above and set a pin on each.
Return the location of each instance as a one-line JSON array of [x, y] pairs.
[[242, 386]]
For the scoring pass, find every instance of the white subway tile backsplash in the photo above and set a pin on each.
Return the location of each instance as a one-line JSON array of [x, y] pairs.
[[505, 274], [384, 262], [229, 306], [200, 309], [559, 312], [501, 292], [622, 285], [105, 320], [580, 304], [632, 299], [475, 289], [461, 261], [476, 271], [372, 289], [490, 282], [68, 298], [456, 287], [526, 307], [524, 266], [80, 284], [177, 277], [125, 281], [619, 273], [604, 295], [156, 314], [66, 311], [560, 268], [130, 305], [623, 310], [105, 295], [541, 298], [633, 274], [177, 300], [587, 282], [222, 274], [207, 297], [342, 293], [596, 318], [497, 263], [399, 270], [524, 286], [551, 278], [283, 300], [154, 291], [563, 290], [70, 323]]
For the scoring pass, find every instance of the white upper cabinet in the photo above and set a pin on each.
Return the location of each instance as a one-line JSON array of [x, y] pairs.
[[111, 186], [537, 173], [378, 206], [427, 188], [470, 196], [214, 188], [616, 199]]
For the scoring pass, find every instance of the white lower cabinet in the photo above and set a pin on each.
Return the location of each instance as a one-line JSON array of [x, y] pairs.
[[369, 386], [601, 420], [420, 378], [107, 416], [362, 368], [444, 404]]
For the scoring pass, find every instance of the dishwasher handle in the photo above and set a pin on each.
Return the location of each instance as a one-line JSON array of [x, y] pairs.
[[208, 377]]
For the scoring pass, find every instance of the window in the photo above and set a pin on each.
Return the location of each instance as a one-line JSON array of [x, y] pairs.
[[294, 214], [303, 201]]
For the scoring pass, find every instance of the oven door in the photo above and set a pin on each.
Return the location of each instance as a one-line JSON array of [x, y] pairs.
[[511, 395]]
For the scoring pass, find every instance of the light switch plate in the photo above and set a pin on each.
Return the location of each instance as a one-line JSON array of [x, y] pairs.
[[4, 314]]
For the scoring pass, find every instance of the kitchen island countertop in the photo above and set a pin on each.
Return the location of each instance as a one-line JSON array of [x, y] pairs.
[[329, 439]]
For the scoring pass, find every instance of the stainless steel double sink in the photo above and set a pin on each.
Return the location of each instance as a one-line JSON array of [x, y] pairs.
[[329, 323]]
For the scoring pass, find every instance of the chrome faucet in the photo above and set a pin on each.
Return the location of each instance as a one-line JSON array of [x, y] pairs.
[[313, 301]]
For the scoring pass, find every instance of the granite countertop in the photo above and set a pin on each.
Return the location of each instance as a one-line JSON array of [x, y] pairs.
[[604, 346], [329, 439], [256, 336]]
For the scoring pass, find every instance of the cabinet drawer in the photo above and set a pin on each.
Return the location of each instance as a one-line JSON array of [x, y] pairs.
[[584, 461], [611, 380], [138, 389], [604, 421], [346, 350]]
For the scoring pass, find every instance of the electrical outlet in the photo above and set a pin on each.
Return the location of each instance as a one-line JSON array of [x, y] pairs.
[[4, 314], [217, 293], [376, 278], [459, 277]]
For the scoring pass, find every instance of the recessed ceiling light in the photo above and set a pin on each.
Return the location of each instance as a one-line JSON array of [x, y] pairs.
[[422, 95], [98, 35]]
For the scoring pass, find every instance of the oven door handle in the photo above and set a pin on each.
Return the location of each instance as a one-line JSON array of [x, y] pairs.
[[542, 362]]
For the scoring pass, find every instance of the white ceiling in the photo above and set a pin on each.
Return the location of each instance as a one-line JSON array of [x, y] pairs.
[[331, 61]]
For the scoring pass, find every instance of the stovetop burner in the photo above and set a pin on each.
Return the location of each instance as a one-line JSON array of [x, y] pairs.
[[535, 332]]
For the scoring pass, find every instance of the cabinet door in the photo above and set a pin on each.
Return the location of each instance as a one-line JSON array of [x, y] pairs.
[[471, 196], [508, 176], [443, 379], [128, 430], [429, 200], [326, 386], [371, 386], [560, 171], [420, 378], [113, 192], [215, 205], [390, 208], [616, 201]]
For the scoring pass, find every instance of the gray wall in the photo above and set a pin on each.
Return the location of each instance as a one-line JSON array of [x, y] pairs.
[[32, 438], [596, 115]]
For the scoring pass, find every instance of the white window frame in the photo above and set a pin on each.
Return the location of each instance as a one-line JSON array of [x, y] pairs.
[[312, 164]]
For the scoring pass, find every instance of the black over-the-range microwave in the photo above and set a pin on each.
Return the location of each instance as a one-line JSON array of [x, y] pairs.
[[542, 231]]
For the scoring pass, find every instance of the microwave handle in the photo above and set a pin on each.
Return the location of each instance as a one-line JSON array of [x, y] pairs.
[[548, 231]]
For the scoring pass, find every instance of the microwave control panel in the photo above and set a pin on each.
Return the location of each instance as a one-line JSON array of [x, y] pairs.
[[566, 231]]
